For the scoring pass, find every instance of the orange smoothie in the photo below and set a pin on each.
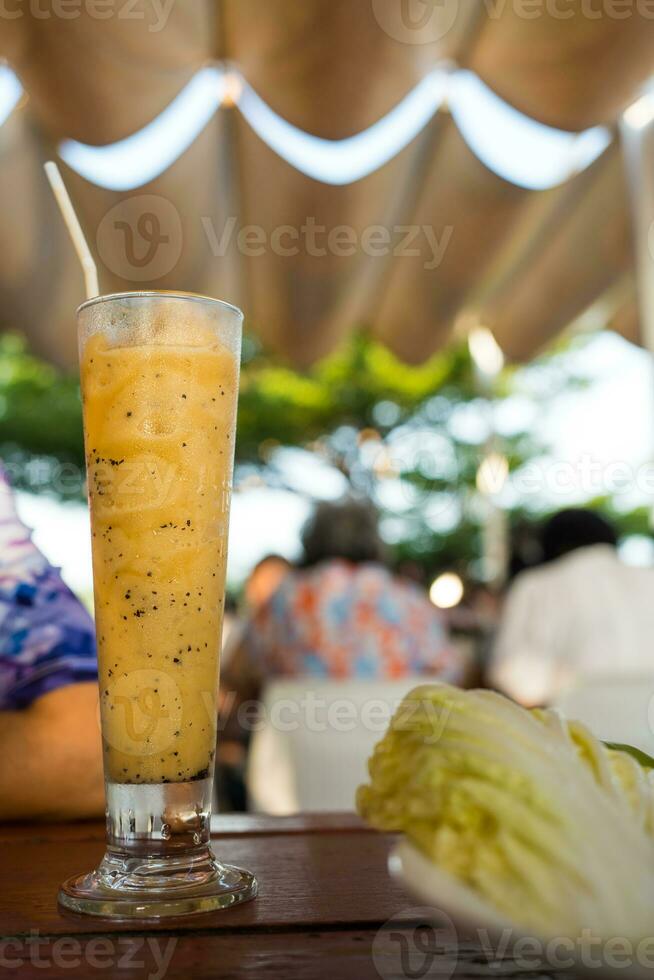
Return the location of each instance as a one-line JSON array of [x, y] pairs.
[[159, 420]]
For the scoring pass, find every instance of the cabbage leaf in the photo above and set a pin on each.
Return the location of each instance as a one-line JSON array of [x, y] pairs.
[[533, 813]]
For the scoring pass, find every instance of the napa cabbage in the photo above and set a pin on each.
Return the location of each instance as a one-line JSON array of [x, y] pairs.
[[533, 814]]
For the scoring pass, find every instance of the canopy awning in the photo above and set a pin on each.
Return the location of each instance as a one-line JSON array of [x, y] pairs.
[[441, 228]]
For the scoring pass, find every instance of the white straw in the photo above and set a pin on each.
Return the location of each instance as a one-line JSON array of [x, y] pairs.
[[74, 228]]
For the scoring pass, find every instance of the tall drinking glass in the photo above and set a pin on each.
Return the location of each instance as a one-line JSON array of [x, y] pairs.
[[159, 378]]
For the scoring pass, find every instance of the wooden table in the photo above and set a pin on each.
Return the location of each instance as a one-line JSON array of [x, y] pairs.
[[322, 913]]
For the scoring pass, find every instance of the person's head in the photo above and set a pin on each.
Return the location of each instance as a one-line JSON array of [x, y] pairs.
[[347, 530], [526, 549], [572, 529], [265, 578]]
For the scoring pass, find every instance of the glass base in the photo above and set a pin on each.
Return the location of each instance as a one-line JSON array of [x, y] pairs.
[[130, 888], [159, 861]]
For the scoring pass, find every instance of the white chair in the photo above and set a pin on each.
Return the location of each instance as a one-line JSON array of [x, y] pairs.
[[311, 750], [616, 709]]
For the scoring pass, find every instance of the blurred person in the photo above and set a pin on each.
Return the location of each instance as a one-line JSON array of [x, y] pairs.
[[51, 762], [260, 585], [582, 613], [231, 748], [342, 614], [230, 619], [478, 612], [412, 571], [526, 549], [264, 579]]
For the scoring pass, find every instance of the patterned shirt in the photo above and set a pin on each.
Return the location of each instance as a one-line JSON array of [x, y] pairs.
[[47, 639], [339, 620]]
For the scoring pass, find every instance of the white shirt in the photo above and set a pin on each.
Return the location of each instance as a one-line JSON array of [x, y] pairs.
[[585, 615]]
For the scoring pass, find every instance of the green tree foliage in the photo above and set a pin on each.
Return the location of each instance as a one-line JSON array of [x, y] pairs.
[[40, 423], [409, 437]]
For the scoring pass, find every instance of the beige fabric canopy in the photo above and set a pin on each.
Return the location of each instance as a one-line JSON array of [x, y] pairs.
[[524, 262]]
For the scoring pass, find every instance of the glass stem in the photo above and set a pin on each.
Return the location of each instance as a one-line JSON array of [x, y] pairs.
[[156, 820]]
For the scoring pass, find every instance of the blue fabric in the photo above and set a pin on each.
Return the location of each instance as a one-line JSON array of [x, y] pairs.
[[47, 639]]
